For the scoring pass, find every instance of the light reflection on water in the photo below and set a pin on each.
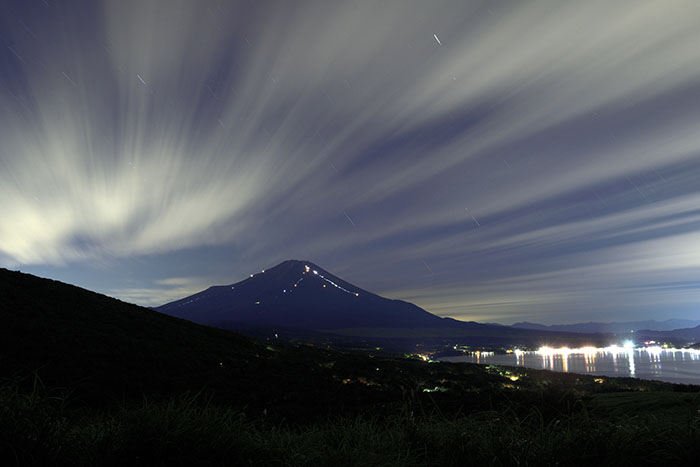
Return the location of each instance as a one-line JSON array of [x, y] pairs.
[[672, 365]]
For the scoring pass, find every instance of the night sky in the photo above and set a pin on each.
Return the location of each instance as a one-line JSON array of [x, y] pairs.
[[491, 161]]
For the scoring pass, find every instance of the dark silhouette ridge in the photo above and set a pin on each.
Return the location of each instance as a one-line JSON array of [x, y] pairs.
[[613, 327], [77, 337]]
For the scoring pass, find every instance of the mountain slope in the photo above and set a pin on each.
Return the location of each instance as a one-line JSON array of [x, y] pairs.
[[299, 294], [682, 336], [105, 349]]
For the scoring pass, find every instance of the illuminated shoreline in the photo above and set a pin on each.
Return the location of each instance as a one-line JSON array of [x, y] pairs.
[[656, 362], [613, 349]]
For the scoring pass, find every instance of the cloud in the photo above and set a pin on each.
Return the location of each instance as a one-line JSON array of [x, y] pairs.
[[536, 139], [161, 291]]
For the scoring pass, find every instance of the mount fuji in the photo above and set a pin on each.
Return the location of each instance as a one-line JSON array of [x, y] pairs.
[[300, 295]]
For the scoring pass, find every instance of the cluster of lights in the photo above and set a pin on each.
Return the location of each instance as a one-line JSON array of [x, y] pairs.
[[307, 269], [188, 301], [627, 347], [565, 351], [316, 273], [560, 358], [482, 353]]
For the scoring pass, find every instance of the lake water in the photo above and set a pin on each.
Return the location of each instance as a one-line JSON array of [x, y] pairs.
[[671, 365]]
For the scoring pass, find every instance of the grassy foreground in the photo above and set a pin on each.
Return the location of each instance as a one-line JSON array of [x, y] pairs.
[[641, 428]]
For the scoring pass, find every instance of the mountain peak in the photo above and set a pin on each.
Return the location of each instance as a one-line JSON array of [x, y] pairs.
[[293, 265], [300, 294], [296, 262]]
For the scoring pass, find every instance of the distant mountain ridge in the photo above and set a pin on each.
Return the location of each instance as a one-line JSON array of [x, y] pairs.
[[684, 335], [614, 327]]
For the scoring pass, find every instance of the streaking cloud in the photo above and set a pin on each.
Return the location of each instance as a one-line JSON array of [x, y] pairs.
[[216, 138]]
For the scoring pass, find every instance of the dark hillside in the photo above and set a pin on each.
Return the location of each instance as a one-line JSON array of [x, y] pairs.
[[104, 349], [76, 336]]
